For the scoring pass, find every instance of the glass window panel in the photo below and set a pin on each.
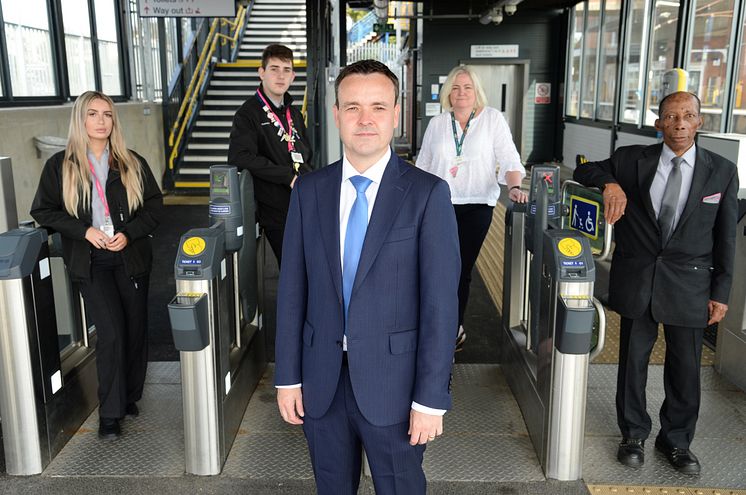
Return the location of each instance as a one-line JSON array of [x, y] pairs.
[[738, 122], [78, 47], [590, 60], [610, 50], [633, 71], [576, 51], [662, 49], [29, 48], [172, 52], [708, 57], [187, 34], [108, 47]]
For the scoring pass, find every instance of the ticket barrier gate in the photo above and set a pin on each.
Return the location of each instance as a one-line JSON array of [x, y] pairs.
[[47, 379], [216, 322], [548, 320]]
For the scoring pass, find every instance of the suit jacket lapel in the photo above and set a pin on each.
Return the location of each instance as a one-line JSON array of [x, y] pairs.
[[391, 193], [702, 172], [327, 199], [646, 168]]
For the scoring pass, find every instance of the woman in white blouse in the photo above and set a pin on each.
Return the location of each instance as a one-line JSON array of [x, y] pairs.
[[470, 146]]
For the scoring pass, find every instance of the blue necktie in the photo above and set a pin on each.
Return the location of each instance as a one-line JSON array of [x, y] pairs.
[[357, 224]]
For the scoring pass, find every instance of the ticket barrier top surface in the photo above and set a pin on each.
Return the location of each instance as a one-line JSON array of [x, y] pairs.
[[19, 249]]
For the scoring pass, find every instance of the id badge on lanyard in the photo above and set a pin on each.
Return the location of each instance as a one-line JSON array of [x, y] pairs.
[[108, 226]]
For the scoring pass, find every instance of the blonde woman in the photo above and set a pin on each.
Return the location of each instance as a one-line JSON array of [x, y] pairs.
[[104, 201], [470, 146]]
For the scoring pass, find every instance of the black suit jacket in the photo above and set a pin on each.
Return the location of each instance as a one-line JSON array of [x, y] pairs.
[[677, 280]]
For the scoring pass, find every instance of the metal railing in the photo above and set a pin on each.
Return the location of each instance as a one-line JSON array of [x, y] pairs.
[[180, 122]]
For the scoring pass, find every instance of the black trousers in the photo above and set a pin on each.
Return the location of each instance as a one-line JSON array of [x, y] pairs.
[[681, 380], [274, 237], [473, 223], [117, 305]]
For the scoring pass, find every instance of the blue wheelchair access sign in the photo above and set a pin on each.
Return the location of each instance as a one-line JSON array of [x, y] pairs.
[[584, 216]]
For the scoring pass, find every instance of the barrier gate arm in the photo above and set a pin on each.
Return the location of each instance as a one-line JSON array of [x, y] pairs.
[[601, 330], [609, 228]]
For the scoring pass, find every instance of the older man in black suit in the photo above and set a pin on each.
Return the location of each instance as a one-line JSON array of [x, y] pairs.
[[674, 206]]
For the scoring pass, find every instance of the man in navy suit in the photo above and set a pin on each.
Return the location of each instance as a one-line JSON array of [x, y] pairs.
[[367, 300], [674, 206]]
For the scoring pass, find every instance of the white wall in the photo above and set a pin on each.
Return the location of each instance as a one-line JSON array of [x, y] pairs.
[[627, 139], [18, 126], [593, 142]]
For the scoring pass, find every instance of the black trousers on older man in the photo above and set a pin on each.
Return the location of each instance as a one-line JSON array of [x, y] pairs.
[[681, 380], [117, 305]]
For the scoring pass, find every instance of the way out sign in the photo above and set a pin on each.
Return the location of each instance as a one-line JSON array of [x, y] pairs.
[[584, 216], [187, 8]]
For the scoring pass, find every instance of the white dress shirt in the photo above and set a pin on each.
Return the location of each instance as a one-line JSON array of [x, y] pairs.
[[488, 146], [347, 196], [658, 186]]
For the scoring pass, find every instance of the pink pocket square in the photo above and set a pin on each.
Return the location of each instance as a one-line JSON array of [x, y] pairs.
[[712, 199]]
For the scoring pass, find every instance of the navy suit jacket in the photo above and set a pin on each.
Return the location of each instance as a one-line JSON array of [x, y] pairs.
[[402, 318], [676, 280]]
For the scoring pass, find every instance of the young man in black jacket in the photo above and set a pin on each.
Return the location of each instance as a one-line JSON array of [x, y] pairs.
[[269, 140]]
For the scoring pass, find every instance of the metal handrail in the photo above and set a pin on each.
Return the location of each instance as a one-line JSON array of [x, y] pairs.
[[608, 228], [186, 110], [601, 330]]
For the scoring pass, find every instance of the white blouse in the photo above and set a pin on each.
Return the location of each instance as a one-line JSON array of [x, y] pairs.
[[488, 153]]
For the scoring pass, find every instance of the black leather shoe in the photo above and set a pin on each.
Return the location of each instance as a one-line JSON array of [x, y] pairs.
[[682, 460], [108, 428], [631, 452], [132, 410]]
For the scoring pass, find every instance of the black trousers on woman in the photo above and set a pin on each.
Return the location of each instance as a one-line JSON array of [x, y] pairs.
[[473, 223], [117, 305]]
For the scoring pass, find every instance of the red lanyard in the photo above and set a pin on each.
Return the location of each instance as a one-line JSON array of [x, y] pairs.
[[288, 135], [100, 190]]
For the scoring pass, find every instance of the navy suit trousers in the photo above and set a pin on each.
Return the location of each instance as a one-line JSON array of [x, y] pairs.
[[335, 441]]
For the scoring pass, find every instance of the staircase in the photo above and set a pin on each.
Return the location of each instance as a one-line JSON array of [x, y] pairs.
[[270, 21]]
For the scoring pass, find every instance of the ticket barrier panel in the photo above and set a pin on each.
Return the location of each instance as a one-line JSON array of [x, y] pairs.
[[222, 351], [731, 337], [44, 396], [547, 369]]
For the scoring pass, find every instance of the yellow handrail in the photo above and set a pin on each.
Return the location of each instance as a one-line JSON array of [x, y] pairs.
[[190, 97]]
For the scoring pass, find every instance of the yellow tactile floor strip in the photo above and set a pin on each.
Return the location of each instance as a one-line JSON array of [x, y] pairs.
[[659, 490]]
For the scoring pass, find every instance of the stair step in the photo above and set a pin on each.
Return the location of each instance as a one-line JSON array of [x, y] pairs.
[[212, 159], [208, 146], [217, 113], [213, 123], [211, 135]]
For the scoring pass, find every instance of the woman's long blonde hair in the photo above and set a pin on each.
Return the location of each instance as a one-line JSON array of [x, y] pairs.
[[76, 173]]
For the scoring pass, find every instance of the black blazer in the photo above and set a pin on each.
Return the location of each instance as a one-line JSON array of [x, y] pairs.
[[677, 280], [48, 209], [256, 147]]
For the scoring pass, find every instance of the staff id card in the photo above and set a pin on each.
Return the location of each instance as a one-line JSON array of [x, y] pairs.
[[297, 157], [108, 227]]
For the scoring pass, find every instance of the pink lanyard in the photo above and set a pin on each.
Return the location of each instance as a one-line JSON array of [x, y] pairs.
[[100, 190], [289, 132]]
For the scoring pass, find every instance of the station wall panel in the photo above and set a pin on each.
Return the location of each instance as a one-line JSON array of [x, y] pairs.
[[593, 142]]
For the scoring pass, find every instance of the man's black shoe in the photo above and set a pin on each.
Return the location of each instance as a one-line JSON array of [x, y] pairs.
[[631, 452], [682, 460], [108, 428], [132, 410]]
